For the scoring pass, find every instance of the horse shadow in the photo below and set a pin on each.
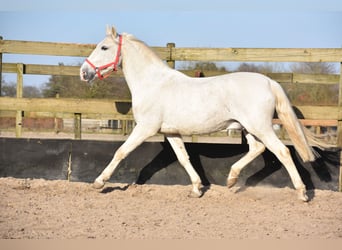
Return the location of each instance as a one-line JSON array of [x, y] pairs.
[[319, 174], [112, 189]]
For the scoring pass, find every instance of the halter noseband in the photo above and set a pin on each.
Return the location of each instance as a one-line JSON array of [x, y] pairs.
[[114, 64]]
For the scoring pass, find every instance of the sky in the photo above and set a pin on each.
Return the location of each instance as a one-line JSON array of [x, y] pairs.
[[192, 23]]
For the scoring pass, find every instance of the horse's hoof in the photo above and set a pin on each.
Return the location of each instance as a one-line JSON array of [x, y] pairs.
[[231, 182], [196, 194], [98, 184], [302, 195]]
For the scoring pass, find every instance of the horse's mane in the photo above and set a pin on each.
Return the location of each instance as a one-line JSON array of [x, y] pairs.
[[144, 49]]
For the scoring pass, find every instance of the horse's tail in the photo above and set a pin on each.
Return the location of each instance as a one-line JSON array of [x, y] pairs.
[[292, 124]]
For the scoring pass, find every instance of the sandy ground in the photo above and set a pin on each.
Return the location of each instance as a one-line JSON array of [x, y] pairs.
[[40, 209]]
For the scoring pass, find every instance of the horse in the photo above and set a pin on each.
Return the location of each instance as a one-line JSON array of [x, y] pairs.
[[167, 101]]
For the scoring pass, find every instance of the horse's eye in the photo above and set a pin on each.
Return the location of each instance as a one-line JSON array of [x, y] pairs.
[[104, 47]]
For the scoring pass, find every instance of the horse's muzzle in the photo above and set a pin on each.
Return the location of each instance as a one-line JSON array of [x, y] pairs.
[[87, 74]]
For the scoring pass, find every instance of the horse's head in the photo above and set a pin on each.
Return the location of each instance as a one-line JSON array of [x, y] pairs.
[[104, 59]]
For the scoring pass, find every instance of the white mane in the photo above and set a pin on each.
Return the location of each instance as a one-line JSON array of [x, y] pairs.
[[146, 52]]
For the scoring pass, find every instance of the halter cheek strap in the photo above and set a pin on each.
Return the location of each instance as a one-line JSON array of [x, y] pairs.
[[115, 63]]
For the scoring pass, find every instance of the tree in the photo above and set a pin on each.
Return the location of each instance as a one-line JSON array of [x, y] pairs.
[[31, 92], [313, 68], [260, 67], [314, 93], [73, 87], [10, 90], [203, 66]]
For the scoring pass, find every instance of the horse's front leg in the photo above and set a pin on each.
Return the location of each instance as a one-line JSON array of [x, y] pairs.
[[139, 134]]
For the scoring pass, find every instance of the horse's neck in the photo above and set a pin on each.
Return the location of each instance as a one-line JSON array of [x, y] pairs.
[[141, 66]]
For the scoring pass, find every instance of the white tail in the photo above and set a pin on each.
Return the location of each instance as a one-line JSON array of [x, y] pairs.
[[292, 124]]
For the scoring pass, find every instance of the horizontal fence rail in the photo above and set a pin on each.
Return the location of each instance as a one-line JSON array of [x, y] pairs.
[[60, 49], [257, 55], [120, 109], [40, 69], [184, 54]]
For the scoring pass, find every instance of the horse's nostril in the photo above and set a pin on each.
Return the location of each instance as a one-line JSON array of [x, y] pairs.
[[84, 75]]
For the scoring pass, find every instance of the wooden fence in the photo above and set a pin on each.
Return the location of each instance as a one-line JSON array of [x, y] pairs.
[[111, 109], [107, 109]]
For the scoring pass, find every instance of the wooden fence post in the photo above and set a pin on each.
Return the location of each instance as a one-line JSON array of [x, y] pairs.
[[170, 61], [339, 127], [19, 115], [0, 70], [78, 125], [56, 119]]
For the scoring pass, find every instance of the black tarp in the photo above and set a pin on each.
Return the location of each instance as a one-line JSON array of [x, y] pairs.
[[155, 163]]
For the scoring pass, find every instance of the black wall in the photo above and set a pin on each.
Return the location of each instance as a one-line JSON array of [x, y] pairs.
[[155, 163]]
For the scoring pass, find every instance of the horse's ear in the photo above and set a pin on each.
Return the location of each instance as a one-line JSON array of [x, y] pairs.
[[113, 31], [110, 31]]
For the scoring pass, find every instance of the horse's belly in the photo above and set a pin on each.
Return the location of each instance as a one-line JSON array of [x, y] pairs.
[[192, 128]]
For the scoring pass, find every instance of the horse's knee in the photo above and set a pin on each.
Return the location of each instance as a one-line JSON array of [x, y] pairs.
[[120, 154]]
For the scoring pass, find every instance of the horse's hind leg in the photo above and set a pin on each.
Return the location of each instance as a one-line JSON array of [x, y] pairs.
[[139, 134], [283, 154], [255, 149], [177, 145]]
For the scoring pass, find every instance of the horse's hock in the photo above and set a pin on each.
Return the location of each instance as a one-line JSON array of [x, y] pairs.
[[155, 163]]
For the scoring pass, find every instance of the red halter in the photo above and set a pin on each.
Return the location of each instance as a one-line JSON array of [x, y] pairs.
[[114, 64]]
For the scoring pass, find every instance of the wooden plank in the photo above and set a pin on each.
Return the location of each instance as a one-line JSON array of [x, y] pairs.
[[0, 69], [38, 69], [9, 68], [45, 48], [207, 73], [169, 60], [258, 54], [35, 69], [59, 49], [32, 114], [183, 54], [316, 78], [20, 87], [281, 77], [309, 122], [339, 127], [114, 108], [77, 126], [319, 112]]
